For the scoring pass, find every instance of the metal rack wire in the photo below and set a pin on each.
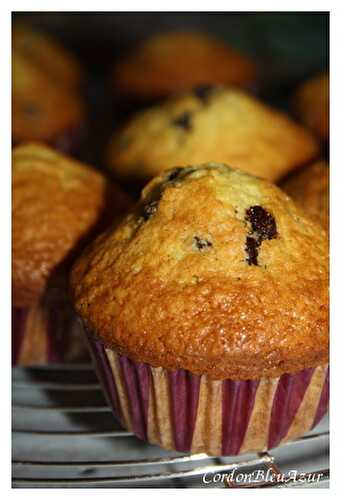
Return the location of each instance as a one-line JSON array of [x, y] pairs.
[[65, 436]]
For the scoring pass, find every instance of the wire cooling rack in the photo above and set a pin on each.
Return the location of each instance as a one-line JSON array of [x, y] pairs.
[[64, 435]]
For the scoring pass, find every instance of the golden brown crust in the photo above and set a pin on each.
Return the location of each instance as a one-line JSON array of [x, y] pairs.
[[312, 105], [47, 53], [228, 126], [172, 286], [42, 109], [56, 202], [310, 188], [174, 62]]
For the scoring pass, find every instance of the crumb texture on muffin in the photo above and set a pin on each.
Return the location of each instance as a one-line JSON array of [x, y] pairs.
[[312, 105], [310, 188], [221, 125], [174, 285], [177, 61], [56, 201]]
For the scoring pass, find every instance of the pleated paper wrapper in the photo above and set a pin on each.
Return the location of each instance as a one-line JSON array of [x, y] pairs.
[[180, 411]]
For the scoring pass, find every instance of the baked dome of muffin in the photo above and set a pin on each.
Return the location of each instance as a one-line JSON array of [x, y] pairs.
[[56, 203], [310, 188], [211, 124], [216, 272], [42, 109], [312, 105], [45, 52], [177, 61]]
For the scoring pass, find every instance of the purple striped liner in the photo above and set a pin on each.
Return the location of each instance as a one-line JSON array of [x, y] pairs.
[[129, 387], [184, 396], [238, 402], [289, 394], [324, 401], [54, 327]]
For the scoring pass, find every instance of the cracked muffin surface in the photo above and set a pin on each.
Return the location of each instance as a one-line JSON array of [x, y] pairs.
[[180, 285], [211, 124], [56, 202]]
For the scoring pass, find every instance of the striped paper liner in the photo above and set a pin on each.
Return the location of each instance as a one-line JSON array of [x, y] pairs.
[[42, 335], [189, 413]]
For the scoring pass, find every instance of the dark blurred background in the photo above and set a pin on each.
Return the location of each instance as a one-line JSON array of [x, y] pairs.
[[289, 46]]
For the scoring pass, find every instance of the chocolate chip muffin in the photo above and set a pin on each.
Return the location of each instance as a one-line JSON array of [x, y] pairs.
[[310, 188], [47, 53], [223, 125], [57, 203], [42, 109], [205, 338], [311, 103], [173, 62]]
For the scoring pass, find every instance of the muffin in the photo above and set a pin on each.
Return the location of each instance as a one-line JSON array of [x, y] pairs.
[[45, 52], [173, 62], [57, 204], [222, 125], [42, 109], [311, 103], [204, 338], [310, 189]]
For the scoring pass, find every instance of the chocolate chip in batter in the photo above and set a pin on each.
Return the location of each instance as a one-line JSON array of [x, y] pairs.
[[202, 243], [262, 222], [184, 121], [174, 173], [150, 209], [204, 92], [31, 109], [251, 250], [263, 227]]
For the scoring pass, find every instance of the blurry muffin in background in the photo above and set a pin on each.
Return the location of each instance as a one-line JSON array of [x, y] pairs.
[[211, 124], [42, 109], [312, 105], [174, 62], [47, 53], [57, 204], [310, 188]]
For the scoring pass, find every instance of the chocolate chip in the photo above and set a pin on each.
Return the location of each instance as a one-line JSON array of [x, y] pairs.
[[262, 222], [149, 209], [263, 227], [183, 121], [202, 243], [251, 250], [174, 173], [31, 109], [204, 92]]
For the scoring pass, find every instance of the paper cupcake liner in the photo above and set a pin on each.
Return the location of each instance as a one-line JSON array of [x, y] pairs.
[[42, 335], [189, 413]]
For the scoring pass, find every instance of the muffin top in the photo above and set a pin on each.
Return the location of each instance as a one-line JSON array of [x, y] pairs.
[[47, 53], [216, 271], [177, 61], [56, 202], [41, 108], [310, 188], [211, 124], [312, 105]]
